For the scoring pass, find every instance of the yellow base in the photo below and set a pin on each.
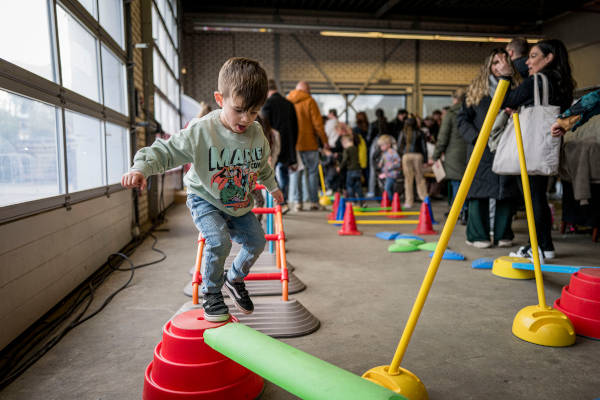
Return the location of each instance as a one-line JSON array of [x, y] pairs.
[[544, 326], [503, 268], [405, 383], [324, 201]]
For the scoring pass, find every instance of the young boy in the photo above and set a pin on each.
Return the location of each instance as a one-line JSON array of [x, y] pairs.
[[229, 153], [350, 162]]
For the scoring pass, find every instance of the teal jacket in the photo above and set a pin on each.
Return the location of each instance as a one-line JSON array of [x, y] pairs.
[[225, 165]]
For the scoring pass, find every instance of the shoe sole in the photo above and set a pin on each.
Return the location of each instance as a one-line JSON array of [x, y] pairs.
[[216, 318], [232, 297]]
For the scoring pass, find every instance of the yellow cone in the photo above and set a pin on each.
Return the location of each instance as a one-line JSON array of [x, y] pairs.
[[544, 326], [503, 268]]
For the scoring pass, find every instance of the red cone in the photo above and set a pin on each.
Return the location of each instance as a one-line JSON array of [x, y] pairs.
[[349, 227], [396, 207], [424, 227], [336, 204], [385, 200]]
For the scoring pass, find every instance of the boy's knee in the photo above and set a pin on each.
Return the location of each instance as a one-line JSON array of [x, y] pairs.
[[257, 244], [220, 244]]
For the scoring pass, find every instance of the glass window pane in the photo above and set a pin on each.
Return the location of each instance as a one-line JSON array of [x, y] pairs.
[[435, 102], [390, 104], [29, 156], [111, 18], [114, 81], [90, 5], [25, 36], [329, 101], [117, 152], [84, 152], [78, 56]]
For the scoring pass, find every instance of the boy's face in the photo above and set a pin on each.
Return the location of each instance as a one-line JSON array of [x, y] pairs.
[[233, 116], [384, 146]]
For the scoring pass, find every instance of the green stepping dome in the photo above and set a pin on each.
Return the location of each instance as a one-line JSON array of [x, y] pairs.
[[430, 246], [412, 242], [402, 248]]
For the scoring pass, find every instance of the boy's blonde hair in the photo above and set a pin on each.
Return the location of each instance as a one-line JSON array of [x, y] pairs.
[[385, 139], [246, 79]]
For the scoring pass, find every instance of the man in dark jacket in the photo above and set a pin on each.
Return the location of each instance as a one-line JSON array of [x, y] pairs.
[[281, 114], [518, 50]]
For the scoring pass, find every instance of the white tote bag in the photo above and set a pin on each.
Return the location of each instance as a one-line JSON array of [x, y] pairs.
[[542, 150]]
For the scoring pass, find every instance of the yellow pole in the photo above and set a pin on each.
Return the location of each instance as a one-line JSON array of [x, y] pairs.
[[449, 226], [322, 179], [539, 280]]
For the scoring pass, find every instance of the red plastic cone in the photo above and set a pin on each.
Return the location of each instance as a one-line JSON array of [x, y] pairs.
[[336, 204], [396, 207], [385, 200], [424, 227], [580, 301], [349, 227]]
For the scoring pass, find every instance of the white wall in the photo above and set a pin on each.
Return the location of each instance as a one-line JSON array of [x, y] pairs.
[[44, 257]]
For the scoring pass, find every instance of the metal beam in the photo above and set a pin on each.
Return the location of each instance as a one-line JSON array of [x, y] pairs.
[[385, 8], [316, 63]]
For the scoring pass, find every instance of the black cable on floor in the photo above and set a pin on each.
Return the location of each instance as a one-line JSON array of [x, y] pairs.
[[12, 368]]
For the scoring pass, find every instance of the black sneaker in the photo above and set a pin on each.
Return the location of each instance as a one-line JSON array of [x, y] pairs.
[[215, 309], [238, 293]]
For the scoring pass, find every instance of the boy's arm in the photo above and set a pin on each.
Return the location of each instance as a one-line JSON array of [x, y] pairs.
[[266, 175], [344, 159], [164, 154]]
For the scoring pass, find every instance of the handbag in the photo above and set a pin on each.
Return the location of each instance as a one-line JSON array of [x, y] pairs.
[[542, 150]]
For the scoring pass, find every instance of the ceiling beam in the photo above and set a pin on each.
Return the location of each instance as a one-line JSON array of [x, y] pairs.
[[385, 8]]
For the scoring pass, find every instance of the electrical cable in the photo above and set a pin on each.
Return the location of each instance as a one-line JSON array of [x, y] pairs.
[[10, 371]]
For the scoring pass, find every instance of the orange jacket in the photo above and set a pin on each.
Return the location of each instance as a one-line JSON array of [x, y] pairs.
[[310, 122]]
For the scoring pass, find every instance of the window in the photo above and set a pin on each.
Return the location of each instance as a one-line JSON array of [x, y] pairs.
[[114, 82], [435, 102], [364, 102], [117, 152], [78, 56], [84, 152], [28, 21], [111, 18], [90, 5], [29, 150]]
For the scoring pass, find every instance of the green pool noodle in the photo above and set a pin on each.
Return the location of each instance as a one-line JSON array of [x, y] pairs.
[[297, 372], [430, 246], [367, 209], [412, 242]]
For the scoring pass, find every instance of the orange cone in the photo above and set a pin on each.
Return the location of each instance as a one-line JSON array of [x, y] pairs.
[[385, 200], [349, 227], [336, 204], [396, 207], [424, 227]]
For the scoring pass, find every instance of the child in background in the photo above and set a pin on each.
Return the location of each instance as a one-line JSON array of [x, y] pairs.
[[353, 170], [389, 163], [229, 154]]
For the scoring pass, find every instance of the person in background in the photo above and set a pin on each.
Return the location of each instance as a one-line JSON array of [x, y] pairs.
[[452, 146], [362, 130], [330, 123], [434, 130], [281, 115], [518, 50], [413, 148], [310, 131], [486, 184], [549, 57], [377, 128], [351, 164], [398, 123], [389, 163]]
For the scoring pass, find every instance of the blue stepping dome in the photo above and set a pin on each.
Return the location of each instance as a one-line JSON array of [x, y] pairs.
[[450, 255], [387, 235], [409, 237], [483, 263]]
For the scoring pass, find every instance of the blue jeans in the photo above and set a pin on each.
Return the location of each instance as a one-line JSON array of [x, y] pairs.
[[454, 184], [353, 184], [298, 187], [219, 229], [389, 187], [310, 159], [283, 178]]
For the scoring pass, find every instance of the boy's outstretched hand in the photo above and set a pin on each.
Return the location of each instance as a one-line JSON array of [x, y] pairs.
[[278, 196], [133, 179]]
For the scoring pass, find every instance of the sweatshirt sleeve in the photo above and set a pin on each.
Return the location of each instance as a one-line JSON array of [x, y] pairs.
[[465, 124], [443, 136], [522, 94], [266, 175], [164, 154]]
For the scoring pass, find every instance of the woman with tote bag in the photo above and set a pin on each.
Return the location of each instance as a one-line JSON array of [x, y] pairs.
[[486, 184], [550, 58]]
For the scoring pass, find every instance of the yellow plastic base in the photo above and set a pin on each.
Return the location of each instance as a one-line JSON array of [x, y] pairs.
[[405, 383], [503, 268], [324, 201], [544, 326]]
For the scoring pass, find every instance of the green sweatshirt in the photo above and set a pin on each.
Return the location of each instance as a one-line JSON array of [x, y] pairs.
[[226, 165]]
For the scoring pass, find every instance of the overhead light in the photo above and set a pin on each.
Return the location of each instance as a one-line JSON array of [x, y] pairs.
[[235, 29], [419, 36]]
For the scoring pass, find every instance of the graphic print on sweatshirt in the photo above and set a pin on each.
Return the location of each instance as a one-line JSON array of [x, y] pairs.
[[236, 173]]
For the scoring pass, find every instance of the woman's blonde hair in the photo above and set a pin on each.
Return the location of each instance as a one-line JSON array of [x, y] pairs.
[[386, 139], [204, 109], [480, 86]]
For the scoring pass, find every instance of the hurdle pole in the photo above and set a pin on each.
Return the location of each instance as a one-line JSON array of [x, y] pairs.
[[197, 269]]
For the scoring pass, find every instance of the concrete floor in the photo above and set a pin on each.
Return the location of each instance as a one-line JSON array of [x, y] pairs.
[[462, 347]]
